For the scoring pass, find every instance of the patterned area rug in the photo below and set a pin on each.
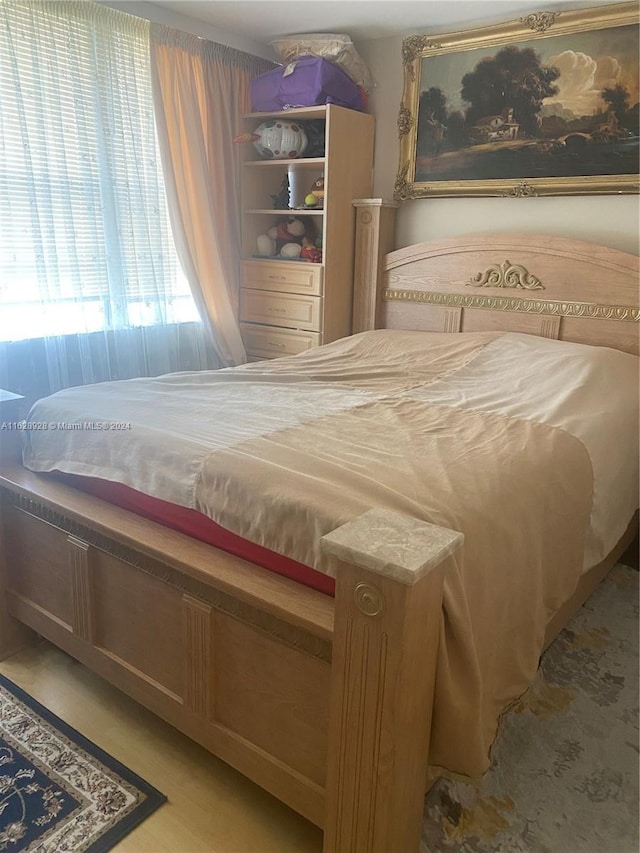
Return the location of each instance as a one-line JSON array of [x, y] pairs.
[[564, 774], [58, 791]]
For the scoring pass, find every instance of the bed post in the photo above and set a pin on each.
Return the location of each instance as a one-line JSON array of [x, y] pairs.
[[389, 576], [375, 237]]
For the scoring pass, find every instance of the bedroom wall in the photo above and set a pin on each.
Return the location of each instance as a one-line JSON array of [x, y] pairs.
[[611, 220]]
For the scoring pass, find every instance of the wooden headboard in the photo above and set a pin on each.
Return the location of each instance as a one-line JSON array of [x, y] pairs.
[[532, 283]]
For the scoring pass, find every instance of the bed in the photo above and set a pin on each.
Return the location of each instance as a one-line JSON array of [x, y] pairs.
[[341, 701]]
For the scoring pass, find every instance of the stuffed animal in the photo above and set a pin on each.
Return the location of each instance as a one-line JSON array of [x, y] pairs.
[[288, 239], [291, 250], [280, 200], [266, 245], [277, 139], [311, 253], [291, 230], [315, 196]]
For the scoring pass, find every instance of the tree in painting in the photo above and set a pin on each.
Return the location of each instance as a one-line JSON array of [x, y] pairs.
[[432, 119], [512, 80], [617, 99]]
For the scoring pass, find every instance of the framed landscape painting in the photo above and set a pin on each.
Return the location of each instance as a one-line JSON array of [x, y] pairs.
[[546, 105]]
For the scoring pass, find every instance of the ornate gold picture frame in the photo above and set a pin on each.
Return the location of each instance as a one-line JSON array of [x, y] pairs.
[[546, 105]]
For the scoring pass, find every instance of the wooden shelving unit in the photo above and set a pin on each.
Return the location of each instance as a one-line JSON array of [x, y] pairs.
[[288, 306]]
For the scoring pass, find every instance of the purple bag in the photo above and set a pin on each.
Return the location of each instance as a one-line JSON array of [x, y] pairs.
[[306, 82]]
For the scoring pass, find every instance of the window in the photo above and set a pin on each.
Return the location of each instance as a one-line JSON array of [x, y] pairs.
[[85, 240]]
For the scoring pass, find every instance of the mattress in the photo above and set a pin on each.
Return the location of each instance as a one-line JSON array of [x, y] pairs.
[[199, 526], [505, 437]]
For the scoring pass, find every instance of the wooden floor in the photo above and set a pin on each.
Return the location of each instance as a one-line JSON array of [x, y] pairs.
[[210, 807]]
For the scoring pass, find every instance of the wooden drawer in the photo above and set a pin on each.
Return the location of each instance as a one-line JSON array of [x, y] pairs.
[[285, 276], [281, 309], [270, 342]]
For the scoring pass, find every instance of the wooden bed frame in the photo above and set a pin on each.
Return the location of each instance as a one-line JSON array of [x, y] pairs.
[[313, 698]]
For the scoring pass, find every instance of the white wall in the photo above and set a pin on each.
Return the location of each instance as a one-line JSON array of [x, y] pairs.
[[610, 220]]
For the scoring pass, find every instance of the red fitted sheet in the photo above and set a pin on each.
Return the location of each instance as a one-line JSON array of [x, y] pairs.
[[199, 526]]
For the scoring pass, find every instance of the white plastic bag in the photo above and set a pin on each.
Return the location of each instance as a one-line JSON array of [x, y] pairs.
[[336, 47]]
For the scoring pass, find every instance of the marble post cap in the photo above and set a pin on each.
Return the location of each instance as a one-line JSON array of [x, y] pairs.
[[391, 544]]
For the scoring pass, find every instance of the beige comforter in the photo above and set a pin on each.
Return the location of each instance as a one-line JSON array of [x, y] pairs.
[[429, 425]]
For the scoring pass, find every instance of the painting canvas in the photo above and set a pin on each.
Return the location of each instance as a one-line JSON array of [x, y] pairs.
[[545, 105]]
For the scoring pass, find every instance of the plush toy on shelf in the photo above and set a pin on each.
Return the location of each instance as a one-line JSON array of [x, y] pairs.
[[277, 139], [291, 238], [291, 251], [311, 252], [280, 200], [266, 245], [315, 197]]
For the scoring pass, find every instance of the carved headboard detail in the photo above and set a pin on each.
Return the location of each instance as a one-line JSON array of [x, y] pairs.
[[506, 275], [532, 283]]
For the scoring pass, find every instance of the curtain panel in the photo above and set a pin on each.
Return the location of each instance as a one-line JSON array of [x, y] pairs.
[[36, 367], [200, 91], [91, 287]]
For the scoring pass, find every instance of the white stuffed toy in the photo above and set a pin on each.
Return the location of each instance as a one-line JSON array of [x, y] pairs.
[[285, 239], [291, 250], [266, 246]]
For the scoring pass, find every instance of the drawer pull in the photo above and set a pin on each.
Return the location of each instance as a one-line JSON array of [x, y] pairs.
[[273, 310], [274, 345], [277, 277]]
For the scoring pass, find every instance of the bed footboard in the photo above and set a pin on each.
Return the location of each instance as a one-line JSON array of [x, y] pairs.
[[325, 704]]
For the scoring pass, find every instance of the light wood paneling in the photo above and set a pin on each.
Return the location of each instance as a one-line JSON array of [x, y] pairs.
[[39, 565], [197, 621], [283, 276], [273, 695], [602, 333], [478, 320], [152, 636], [138, 619], [348, 175], [375, 234], [537, 284], [269, 341], [288, 310], [425, 318], [81, 589]]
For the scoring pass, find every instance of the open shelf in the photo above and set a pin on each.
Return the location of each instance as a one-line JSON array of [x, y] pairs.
[[310, 162], [296, 112], [289, 211]]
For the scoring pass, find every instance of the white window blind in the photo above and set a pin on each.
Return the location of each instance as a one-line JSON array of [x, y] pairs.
[[85, 241]]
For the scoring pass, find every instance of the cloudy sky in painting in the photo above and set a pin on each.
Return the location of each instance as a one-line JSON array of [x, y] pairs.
[[582, 79]]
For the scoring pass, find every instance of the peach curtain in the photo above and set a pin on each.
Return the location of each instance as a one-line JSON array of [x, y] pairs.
[[200, 90]]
